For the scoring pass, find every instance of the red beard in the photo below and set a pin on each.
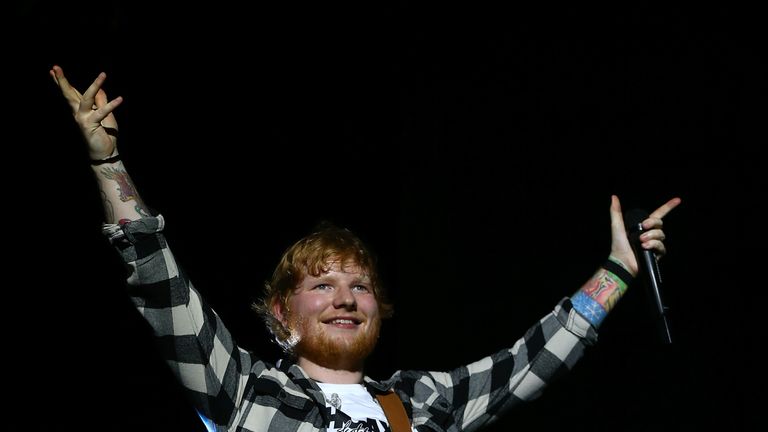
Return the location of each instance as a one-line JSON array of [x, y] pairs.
[[335, 352]]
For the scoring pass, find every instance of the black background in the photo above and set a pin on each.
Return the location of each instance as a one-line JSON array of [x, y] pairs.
[[475, 147]]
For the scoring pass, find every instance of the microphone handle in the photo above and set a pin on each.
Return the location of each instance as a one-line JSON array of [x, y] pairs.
[[654, 284]]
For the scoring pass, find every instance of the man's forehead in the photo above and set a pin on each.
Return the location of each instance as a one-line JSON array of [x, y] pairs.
[[349, 267]]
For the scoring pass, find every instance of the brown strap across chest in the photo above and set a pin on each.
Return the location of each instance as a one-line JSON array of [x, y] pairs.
[[395, 412]]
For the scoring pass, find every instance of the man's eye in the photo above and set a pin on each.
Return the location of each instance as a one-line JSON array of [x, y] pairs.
[[322, 287], [361, 288]]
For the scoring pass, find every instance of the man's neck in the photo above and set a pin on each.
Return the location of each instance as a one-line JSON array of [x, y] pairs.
[[330, 375]]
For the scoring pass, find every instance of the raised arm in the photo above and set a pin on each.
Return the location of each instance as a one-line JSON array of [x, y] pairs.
[[93, 115], [478, 393], [197, 346]]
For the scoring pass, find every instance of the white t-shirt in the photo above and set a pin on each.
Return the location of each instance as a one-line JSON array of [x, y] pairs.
[[353, 409]]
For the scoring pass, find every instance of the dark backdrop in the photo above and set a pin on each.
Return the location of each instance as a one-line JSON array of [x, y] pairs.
[[475, 147]]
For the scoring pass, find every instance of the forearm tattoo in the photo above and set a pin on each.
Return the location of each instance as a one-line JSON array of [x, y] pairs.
[[598, 296], [605, 288], [125, 187]]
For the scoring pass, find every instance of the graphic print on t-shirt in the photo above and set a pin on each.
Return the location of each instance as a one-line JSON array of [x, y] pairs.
[[352, 409], [341, 422]]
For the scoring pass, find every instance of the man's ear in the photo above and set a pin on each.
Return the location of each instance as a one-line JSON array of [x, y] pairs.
[[279, 310]]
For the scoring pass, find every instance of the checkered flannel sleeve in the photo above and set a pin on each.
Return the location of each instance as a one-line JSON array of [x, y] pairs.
[[191, 337], [476, 395]]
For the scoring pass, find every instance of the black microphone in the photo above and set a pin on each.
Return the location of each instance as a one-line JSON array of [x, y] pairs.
[[649, 269]]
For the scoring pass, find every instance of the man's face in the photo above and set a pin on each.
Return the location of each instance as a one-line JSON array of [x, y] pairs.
[[336, 318]]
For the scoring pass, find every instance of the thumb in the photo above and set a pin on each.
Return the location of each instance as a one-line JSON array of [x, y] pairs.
[[617, 218], [620, 247]]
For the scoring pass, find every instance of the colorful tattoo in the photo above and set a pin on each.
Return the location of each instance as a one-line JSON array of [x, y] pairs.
[[588, 308], [598, 296], [126, 188], [605, 288], [140, 210], [124, 185]]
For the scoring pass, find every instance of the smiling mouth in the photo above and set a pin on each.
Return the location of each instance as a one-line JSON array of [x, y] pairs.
[[343, 322]]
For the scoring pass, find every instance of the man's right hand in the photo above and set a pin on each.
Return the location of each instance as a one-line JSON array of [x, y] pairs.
[[93, 114]]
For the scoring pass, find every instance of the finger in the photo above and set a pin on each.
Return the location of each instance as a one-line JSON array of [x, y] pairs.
[[101, 98], [70, 93], [654, 234], [101, 101], [655, 245], [662, 211], [110, 121], [105, 113], [89, 97], [617, 220], [52, 73], [58, 76]]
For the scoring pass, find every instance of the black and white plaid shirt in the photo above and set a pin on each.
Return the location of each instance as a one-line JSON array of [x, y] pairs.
[[238, 391]]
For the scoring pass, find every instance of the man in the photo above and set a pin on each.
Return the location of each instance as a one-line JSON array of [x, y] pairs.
[[324, 305]]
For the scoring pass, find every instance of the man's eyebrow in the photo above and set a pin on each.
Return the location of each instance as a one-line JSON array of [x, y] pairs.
[[325, 277]]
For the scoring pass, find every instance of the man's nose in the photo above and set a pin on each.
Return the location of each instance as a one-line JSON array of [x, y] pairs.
[[345, 298]]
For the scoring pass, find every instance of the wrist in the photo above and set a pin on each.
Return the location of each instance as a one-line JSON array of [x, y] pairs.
[[619, 269], [114, 157]]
